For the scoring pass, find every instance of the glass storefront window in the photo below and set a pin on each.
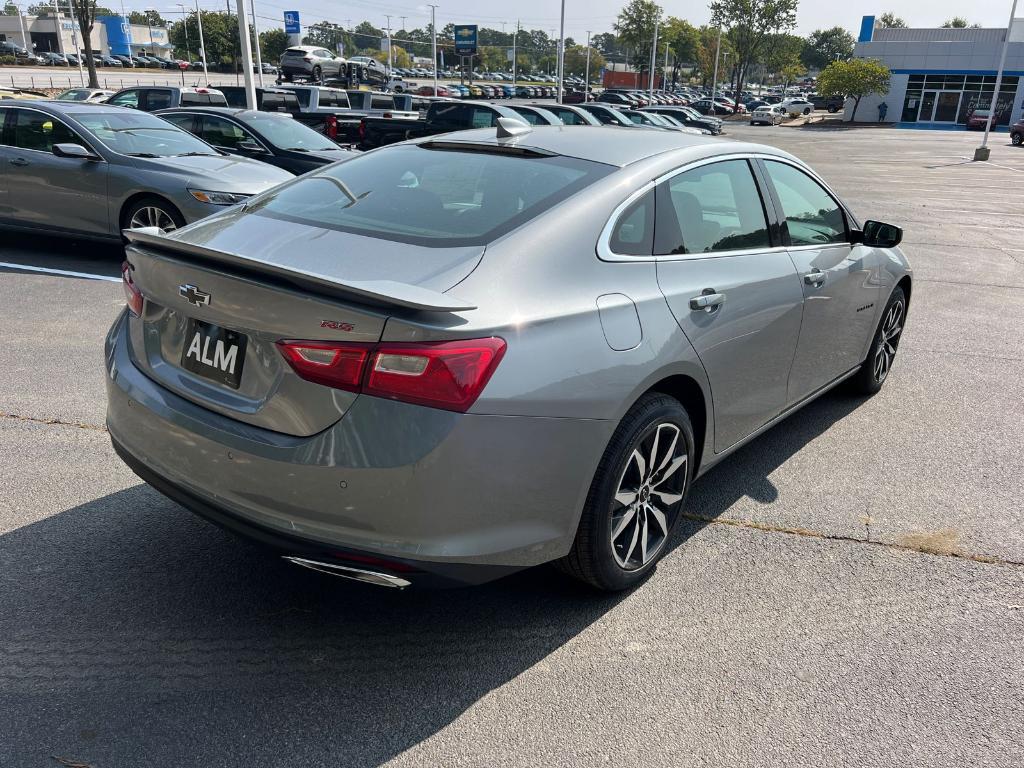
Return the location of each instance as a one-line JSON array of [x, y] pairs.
[[910, 104]]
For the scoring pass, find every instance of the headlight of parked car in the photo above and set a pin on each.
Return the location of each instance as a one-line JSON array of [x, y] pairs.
[[217, 198]]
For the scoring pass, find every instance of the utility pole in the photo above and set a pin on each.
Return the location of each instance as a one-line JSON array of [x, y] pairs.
[[982, 152], [586, 84], [403, 18], [561, 53], [24, 40], [202, 44], [246, 51], [56, 27], [433, 42], [664, 69], [654, 53], [386, 16], [256, 37], [74, 41]]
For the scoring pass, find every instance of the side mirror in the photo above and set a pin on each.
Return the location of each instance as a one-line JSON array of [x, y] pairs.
[[250, 146], [73, 151], [878, 234]]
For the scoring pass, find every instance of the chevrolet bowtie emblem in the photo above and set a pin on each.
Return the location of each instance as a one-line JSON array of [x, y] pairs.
[[193, 295]]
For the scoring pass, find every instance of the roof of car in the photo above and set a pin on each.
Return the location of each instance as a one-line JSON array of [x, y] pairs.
[[71, 107], [612, 145]]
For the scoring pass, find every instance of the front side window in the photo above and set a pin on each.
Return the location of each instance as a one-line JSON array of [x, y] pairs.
[[712, 208], [39, 131], [125, 99], [223, 133], [812, 216], [141, 134], [441, 197]]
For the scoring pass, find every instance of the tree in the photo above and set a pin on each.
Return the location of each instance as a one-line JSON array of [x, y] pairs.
[[854, 79], [146, 18], [84, 12], [706, 48], [749, 24], [826, 45], [635, 28], [959, 22], [576, 60], [782, 51], [220, 35], [890, 20], [273, 43]]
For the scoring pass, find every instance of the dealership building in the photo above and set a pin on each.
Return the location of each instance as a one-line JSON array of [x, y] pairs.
[[110, 35], [940, 75]]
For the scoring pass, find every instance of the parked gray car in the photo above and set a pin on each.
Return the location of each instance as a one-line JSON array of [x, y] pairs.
[[311, 62], [94, 170], [452, 358]]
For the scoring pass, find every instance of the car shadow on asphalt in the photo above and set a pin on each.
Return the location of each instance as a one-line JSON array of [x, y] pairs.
[[71, 254], [133, 633]]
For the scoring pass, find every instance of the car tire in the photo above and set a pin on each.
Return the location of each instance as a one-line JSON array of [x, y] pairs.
[[318, 76], [287, 77], [152, 209], [651, 457], [807, 110], [1017, 139], [875, 368], [833, 110]]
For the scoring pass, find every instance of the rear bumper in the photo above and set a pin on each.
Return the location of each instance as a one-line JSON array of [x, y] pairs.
[[430, 488]]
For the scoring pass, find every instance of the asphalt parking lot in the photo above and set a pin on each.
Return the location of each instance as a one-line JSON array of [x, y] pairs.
[[846, 590]]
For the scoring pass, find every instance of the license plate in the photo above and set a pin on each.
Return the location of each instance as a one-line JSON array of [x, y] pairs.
[[214, 353]]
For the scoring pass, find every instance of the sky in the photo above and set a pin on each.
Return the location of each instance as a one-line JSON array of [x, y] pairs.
[[582, 15]]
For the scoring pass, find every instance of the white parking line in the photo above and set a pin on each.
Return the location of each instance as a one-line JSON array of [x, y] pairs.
[[62, 272]]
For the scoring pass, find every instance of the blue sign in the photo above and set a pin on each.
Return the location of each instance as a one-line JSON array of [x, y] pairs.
[[119, 36], [465, 39], [291, 23]]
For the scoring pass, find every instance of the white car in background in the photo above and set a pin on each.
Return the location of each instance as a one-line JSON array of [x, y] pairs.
[[797, 106], [769, 114]]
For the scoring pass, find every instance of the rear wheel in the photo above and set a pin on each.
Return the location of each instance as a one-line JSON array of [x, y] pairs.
[[832, 110], [1016, 139], [318, 75], [875, 369], [635, 497], [152, 212]]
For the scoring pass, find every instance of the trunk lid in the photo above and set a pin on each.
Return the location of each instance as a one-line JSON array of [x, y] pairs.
[[306, 283]]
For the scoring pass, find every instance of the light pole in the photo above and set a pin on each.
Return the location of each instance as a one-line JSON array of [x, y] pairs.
[[654, 53], [21, 21], [982, 152], [184, 22], [515, 59], [386, 16], [586, 83], [74, 41], [714, 80], [243, 43], [561, 53], [433, 42], [202, 44], [56, 27], [256, 37]]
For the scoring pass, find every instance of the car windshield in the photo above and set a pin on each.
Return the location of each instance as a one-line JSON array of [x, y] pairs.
[[75, 94], [286, 133], [435, 194], [139, 134]]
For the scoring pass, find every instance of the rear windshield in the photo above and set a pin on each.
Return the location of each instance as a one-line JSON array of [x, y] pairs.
[[192, 98], [296, 52], [431, 197]]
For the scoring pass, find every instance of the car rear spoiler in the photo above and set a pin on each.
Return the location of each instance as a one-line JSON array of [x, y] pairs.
[[386, 292]]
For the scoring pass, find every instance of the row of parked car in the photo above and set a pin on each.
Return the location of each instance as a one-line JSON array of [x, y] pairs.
[[488, 91]]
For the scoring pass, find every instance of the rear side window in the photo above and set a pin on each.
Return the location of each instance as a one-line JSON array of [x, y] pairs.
[[813, 217], [159, 100], [712, 208], [331, 99], [633, 234], [433, 197], [382, 102]]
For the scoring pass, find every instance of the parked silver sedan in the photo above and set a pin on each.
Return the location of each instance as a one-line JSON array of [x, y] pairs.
[[464, 355], [95, 170]]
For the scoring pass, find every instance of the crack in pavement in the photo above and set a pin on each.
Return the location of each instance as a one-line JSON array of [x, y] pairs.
[[920, 548], [52, 422]]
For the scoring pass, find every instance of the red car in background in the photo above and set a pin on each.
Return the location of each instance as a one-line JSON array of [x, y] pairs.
[[977, 119], [428, 90], [576, 96]]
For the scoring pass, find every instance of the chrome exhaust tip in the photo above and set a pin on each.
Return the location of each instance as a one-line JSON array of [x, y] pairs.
[[348, 572]]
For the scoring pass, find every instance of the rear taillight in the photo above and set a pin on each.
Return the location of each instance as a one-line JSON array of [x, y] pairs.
[[445, 374], [132, 294], [307, 59], [324, 362], [332, 127], [362, 129]]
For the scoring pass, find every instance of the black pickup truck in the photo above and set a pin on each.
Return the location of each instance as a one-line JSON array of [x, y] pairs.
[[441, 117]]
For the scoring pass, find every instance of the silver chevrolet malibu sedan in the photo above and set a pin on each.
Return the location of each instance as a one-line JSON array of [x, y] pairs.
[[449, 359]]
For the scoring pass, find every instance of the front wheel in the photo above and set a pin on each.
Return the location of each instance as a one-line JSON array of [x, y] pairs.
[[318, 75], [875, 369], [152, 212], [807, 111], [833, 110], [1016, 139], [635, 496]]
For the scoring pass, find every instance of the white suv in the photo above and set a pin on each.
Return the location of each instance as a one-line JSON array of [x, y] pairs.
[[797, 106], [310, 61]]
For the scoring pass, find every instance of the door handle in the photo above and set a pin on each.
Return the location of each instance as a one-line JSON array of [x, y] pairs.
[[19, 161], [707, 301], [817, 277]]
